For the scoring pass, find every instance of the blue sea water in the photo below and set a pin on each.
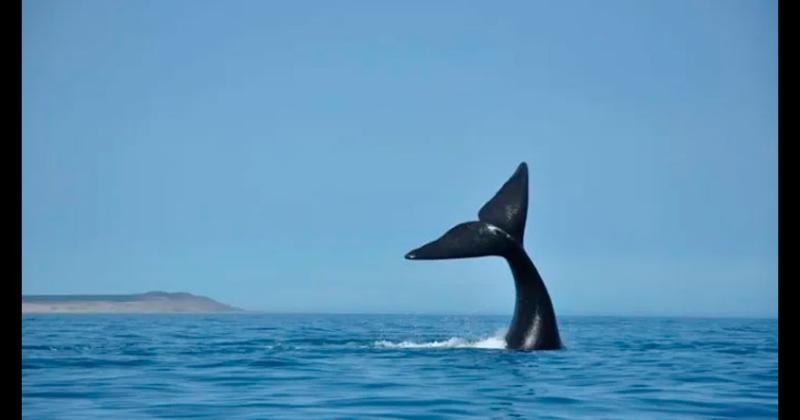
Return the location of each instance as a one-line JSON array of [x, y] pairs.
[[262, 366]]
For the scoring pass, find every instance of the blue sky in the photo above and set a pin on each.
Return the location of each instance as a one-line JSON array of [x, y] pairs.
[[284, 156]]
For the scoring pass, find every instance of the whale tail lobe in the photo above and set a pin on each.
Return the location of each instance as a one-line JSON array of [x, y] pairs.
[[500, 226]]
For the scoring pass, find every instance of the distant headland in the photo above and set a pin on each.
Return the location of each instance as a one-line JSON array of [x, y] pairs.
[[150, 302]]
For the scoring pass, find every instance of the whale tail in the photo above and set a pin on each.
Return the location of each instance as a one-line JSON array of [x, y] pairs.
[[500, 226]]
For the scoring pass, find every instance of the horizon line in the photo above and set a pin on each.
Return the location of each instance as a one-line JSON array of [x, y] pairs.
[[268, 312], [409, 312], [600, 315]]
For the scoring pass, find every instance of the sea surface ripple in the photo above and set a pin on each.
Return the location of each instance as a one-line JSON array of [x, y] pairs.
[[265, 366]]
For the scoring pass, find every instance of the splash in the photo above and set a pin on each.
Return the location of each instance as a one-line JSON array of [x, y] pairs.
[[496, 341]]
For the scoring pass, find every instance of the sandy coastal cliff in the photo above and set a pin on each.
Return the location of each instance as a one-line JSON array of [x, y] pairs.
[[151, 302]]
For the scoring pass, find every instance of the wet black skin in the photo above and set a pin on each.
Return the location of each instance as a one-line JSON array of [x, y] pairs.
[[499, 232], [533, 308]]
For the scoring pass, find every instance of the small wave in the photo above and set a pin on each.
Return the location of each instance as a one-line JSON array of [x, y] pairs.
[[494, 342]]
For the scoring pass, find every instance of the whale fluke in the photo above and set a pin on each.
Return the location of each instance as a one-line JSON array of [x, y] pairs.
[[508, 209], [470, 239], [500, 231]]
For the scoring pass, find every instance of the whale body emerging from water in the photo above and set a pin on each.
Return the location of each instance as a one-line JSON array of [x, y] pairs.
[[499, 231]]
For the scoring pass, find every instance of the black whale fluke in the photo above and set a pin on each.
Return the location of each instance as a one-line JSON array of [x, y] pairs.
[[508, 209], [471, 239], [499, 231]]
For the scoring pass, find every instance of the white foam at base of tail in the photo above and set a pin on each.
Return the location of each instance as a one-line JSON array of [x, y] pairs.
[[495, 342]]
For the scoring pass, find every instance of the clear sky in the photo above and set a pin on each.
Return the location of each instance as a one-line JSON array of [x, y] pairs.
[[284, 156]]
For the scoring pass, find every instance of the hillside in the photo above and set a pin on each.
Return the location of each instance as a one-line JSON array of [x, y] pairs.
[[151, 302]]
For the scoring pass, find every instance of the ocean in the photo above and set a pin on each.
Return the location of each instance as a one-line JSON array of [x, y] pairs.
[[264, 366]]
